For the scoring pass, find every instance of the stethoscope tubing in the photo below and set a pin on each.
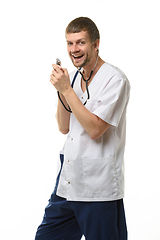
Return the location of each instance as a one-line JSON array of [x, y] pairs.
[[86, 80]]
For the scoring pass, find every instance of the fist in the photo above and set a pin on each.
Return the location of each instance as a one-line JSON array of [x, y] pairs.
[[60, 78]]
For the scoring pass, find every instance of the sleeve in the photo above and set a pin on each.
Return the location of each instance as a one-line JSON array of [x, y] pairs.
[[113, 100]]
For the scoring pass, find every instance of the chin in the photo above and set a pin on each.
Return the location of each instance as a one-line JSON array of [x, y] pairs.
[[80, 64]]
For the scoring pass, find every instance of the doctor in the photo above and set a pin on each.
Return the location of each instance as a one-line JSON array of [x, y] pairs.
[[88, 197]]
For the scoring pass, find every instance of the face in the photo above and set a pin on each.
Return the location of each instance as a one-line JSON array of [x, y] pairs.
[[80, 48]]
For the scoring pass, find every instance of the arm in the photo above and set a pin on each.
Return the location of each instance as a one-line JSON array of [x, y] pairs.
[[92, 124], [62, 116]]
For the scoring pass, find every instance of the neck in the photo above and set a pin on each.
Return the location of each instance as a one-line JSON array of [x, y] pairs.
[[89, 67]]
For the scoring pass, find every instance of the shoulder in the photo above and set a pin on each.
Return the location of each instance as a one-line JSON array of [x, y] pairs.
[[115, 74]]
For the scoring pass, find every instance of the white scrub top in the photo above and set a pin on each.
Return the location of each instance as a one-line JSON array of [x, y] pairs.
[[93, 170]]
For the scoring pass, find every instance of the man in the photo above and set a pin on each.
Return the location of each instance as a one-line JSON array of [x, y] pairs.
[[88, 197]]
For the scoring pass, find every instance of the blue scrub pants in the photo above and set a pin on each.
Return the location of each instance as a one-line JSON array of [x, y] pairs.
[[67, 220]]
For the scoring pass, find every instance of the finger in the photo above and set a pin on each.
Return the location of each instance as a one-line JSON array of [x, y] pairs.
[[65, 71], [52, 78], [54, 73], [57, 68]]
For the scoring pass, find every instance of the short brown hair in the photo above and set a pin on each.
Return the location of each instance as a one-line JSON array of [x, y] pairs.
[[84, 24]]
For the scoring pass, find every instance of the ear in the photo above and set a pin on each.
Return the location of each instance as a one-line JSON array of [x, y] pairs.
[[96, 44]]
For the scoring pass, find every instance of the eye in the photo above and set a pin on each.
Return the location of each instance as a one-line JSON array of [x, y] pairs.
[[69, 44], [82, 43]]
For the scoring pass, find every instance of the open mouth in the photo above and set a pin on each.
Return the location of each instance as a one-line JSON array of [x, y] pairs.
[[77, 57]]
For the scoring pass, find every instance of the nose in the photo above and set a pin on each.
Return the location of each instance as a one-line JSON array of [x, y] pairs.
[[74, 48]]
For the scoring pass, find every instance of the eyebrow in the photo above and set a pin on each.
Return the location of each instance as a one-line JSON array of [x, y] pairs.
[[78, 40]]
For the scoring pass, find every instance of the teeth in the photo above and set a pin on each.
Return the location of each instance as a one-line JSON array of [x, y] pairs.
[[77, 56]]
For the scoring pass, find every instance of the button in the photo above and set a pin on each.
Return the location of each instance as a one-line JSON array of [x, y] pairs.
[[82, 97], [68, 182], [68, 160], [71, 138]]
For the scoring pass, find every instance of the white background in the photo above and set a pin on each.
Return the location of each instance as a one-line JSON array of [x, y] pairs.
[[31, 37]]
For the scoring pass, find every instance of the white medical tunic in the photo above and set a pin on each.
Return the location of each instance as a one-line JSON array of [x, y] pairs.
[[93, 170]]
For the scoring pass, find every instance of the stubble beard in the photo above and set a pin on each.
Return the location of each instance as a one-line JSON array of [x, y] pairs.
[[85, 62]]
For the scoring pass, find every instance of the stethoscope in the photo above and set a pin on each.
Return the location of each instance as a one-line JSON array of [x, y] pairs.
[[58, 62]]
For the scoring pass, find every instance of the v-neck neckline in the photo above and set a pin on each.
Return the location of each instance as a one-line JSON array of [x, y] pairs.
[[91, 81]]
